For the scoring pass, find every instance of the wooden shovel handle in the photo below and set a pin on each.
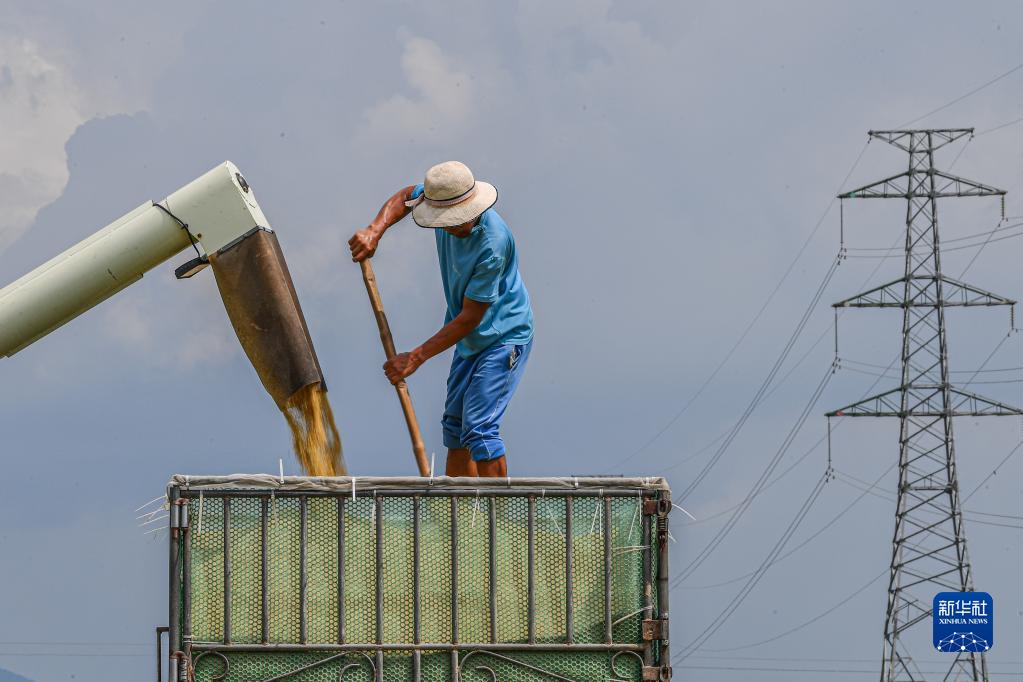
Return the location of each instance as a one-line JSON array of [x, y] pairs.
[[418, 449]]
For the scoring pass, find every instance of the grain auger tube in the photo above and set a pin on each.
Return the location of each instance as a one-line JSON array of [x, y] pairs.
[[218, 217]]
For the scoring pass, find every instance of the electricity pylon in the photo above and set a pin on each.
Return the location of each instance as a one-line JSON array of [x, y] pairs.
[[929, 545]]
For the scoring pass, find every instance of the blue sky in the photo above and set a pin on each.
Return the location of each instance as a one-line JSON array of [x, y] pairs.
[[661, 164]]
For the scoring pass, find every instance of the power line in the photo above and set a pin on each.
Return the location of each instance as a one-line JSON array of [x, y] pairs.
[[792, 265], [65, 654], [993, 471], [751, 584], [964, 96], [803, 659], [746, 591], [892, 376], [813, 448], [951, 371], [973, 372], [1000, 381], [869, 489], [972, 380], [811, 621], [754, 492], [975, 235], [55, 643], [758, 396], [709, 548], [999, 516], [805, 355], [979, 251], [837, 671], [805, 542], [724, 446], [829, 524], [944, 250], [999, 127], [778, 384], [854, 482], [753, 321], [772, 557]]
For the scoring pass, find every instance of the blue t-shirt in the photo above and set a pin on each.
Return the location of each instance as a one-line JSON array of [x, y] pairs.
[[485, 267]]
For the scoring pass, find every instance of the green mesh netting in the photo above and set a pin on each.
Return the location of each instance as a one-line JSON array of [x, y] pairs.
[[473, 569], [355, 520]]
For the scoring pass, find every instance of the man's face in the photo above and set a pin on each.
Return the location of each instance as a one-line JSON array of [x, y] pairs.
[[461, 231]]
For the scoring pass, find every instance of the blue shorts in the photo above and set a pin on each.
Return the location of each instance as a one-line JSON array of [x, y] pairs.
[[479, 389]]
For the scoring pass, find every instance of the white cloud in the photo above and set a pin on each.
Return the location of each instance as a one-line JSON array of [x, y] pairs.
[[444, 103], [174, 325], [42, 103], [40, 107]]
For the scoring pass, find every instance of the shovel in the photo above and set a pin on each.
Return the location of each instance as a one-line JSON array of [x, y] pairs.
[[418, 449]]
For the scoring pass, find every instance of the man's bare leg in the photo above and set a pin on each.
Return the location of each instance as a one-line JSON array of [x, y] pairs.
[[460, 463], [493, 468]]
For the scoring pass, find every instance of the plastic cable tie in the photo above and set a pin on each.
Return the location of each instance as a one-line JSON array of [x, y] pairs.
[[682, 509], [598, 512], [353, 488], [151, 514], [153, 519], [475, 508], [202, 502], [630, 548], [373, 514], [280, 464], [155, 499], [628, 616], [554, 520], [635, 516]]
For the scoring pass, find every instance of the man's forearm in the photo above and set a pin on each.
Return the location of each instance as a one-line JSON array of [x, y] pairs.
[[404, 364], [393, 210], [364, 242], [450, 334]]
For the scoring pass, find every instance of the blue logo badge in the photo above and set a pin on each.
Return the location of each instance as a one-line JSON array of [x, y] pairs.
[[963, 622]]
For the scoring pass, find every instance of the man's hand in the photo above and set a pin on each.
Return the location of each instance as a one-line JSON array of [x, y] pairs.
[[364, 244], [402, 365]]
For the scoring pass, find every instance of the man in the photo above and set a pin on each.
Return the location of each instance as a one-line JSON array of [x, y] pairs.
[[489, 319]]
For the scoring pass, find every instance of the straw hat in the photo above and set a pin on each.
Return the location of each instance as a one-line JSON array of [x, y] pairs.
[[451, 196]]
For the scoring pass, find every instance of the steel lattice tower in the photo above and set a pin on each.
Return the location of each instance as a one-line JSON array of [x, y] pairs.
[[929, 545]]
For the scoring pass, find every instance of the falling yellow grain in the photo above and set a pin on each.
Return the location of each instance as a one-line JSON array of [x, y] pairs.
[[314, 434]]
